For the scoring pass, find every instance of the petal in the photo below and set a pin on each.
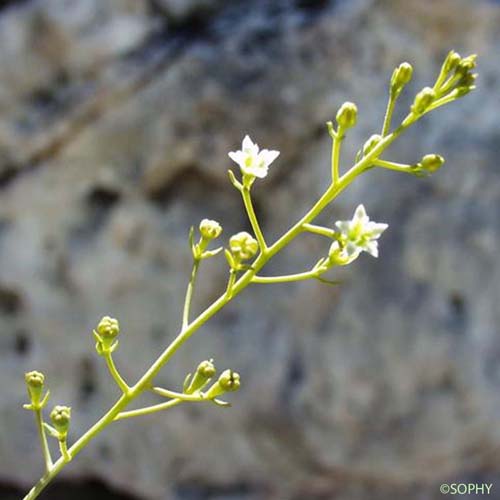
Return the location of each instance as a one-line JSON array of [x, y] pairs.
[[375, 229], [238, 157], [248, 146], [360, 214], [344, 226], [268, 156], [259, 172], [371, 247]]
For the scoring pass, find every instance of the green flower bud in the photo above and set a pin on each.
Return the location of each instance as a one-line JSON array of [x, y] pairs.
[[210, 229], [204, 372], [431, 163], [423, 100], [61, 417], [401, 76], [371, 143], [451, 62], [467, 64], [347, 115], [34, 384], [243, 246], [105, 334], [228, 381]]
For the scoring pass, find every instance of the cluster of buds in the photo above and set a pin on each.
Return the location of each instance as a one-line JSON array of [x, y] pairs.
[[209, 230], [455, 80], [34, 384], [105, 334], [242, 246], [228, 381]]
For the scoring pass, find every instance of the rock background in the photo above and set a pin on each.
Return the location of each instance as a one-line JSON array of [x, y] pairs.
[[115, 121]]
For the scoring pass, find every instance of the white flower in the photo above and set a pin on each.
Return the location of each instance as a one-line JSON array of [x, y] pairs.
[[253, 162], [357, 235]]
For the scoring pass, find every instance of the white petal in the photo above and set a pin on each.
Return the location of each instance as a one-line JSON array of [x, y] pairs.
[[249, 147], [238, 157], [260, 172], [360, 214], [268, 156], [372, 248], [375, 229], [344, 226]]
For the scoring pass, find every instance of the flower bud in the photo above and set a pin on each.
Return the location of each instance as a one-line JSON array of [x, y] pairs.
[[451, 62], [431, 163], [243, 246], [401, 76], [34, 384], [204, 372], [228, 381], [108, 328], [61, 417], [371, 143], [423, 100], [210, 229], [105, 334], [467, 64], [347, 115]]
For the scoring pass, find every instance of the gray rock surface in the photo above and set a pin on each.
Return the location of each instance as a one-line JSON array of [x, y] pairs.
[[115, 121]]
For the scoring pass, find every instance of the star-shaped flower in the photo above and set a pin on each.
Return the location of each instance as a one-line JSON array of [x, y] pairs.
[[252, 161], [358, 235]]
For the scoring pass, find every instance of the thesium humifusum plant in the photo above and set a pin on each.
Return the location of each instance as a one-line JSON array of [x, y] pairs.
[[247, 255]]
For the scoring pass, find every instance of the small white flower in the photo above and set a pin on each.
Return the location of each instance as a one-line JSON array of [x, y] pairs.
[[357, 235], [252, 161]]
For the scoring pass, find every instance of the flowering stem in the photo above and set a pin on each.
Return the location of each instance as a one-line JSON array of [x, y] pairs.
[[177, 395], [148, 410], [63, 447], [43, 439], [114, 373], [189, 293], [285, 279], [388, 113], [322, 231], [247, 200], [234, 287], [399, 167], [337, 142]]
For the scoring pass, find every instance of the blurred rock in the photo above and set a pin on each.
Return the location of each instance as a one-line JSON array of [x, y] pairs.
[[115, 121]]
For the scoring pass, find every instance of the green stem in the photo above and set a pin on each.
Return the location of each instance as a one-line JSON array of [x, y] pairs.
[[115, 374], [63, 447], [189, 293], [148, 410], [43, 439], [247, 200], [388, 113], [322, 231], [399, 167], [284, 279], [177, 395], [337, 142]]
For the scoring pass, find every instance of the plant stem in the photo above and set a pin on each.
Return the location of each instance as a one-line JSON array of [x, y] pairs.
[[43, 439], [322, 231], [399, 167], [284, 279], [388, 113], [247, 200], [189, 293], [337, 142], [148, 410], [115, 374]]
